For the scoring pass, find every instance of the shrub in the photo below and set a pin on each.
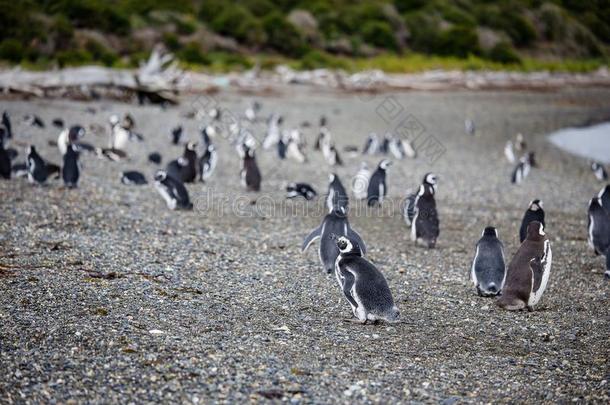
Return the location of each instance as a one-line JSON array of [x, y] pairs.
[[317, 59], [503, 52], [240, 24], [73, 57], [283, 36], [459, 41], [191, 53], [100, 53], [171, 41], [11, 50], [379, 33]]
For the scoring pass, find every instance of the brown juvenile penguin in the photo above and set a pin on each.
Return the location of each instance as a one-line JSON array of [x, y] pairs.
[[528, 272]]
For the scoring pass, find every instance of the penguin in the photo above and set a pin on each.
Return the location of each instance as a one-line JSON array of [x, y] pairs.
[[363, 285], [598, 228], [68, 137], [401, 148], [425, 223], [528, 271], [250, 174], [185, 167], [331, 154], [5, 162], [488, 269], [176, 134], [371, 144], [252, 111], [334, 223], [281, 148], [509, 152], [6, 123], [121, 135], [604, 198], [322, 134], [70, 171], [360, 182], [300, 190], [469, 127], [377, 188], [599, 171], [521, 171], [155, 157], [293, 149], [273, 131], [520, 144], [207, 163], [409, 204], [207, 131], [384, 146], [535, 212], [36, 166], [336, 197], [128, 122], [34, 120], [173, 191], [132, 177]]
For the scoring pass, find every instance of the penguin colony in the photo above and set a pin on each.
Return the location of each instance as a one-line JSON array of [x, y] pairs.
[[517, 284]]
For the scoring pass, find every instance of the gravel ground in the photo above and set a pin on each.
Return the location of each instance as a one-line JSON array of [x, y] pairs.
[[106, 296]]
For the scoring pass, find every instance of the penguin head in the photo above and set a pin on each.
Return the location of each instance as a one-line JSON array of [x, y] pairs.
[[535, 231], [75, 132], [160, 175], [31, 150], [114, 120], [535, 205], [346, 246], [191, 146], [208, 130], [332, 177], [594, 204], [431, 179], [384, 164], [490, 231], [595, 166]]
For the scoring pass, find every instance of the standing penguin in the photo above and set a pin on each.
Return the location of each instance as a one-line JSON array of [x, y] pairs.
[[521, 171], [334, 223], [604, 198], [185, 167], [469, 127], [371, 144], [36, 166], [599, 171], [425, 223], [6, 123], [273, 131], [250, 174], [509, 152], [360, 182], [5, 162], [409, 204], [336, 197], [488, 267], [528, 271], [207, 163], [599, 231], [363, 285], [377, 188], [176, 134], [68, 137], [70, 170], [535, 212], [173, 191]]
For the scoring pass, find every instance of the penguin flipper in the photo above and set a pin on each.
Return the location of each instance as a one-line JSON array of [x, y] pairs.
[[536, 268], [348, 283], [351, 234], [309, 239]]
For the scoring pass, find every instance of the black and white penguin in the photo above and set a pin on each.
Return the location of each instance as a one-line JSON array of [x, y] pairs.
[[520, 144], [274, 131], [528, 271], [207, 132], [363, 285], [360, 182], [185, 167], [281, 148], [377, 189], [176, 134], [69, 136], [70, 171], [300, 190], [5, 162], [599, 171], [132, 177], [599, 230], [401, 148], [469, 127], [121, 133], [334, 223], [252, 111], [336, 197], [322, 134], [521, 171], [509, 152], [6, 123], [384, 145], [207, 163], [409, 204], [155, 157], [37, 167], [535, 212], [293, 146], [250, 173], [34, 120], [488, 269], [425, 223], [173, 191], [604, 198], [371, 144]]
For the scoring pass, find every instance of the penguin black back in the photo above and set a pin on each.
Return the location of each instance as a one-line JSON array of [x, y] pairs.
[[5, 162], [535, 212], [70, 171]]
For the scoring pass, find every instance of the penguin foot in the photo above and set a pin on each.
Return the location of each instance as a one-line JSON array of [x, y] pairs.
[[530, 308], [358, 321]]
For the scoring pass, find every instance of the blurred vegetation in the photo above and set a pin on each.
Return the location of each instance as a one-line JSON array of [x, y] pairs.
[[398, 35]]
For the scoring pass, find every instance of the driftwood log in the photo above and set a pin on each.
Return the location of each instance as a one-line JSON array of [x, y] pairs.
[[156, 81]]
